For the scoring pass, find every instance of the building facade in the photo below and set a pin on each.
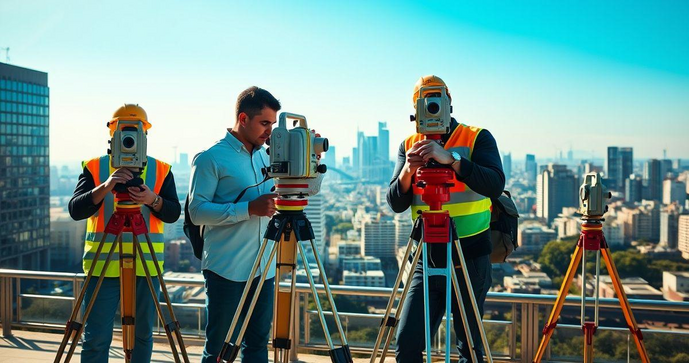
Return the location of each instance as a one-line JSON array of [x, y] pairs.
[[24, 169]]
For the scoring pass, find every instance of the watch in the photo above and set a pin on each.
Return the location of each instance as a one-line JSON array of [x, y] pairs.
[[457, 158], [155, 201]]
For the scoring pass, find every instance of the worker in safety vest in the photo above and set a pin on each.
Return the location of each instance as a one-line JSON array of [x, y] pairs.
[[94, 199], [473, 155]]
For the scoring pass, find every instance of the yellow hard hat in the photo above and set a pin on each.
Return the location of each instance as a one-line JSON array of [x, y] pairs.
[[129, 111], [428, 81]]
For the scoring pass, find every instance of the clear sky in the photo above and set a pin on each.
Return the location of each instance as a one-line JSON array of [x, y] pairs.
[[543, 76]]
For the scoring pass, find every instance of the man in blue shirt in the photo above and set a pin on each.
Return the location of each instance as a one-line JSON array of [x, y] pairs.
[[233, 232]]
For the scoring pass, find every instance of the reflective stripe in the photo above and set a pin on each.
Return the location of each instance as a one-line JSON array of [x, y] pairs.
[[116, 256], [466, 225], [95, 237], [114, 267], [469, 196], [459, 209]]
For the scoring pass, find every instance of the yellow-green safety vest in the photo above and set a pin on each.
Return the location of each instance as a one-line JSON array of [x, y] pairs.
[[469, 210], [154, 174]]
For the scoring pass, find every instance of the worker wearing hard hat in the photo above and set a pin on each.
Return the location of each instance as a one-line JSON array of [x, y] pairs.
[[93, 199], [473, 155]]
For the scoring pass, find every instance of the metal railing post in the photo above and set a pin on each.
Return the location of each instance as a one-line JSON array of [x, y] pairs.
[[6, 305]]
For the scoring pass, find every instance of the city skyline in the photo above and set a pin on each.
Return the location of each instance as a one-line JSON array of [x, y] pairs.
[[529, 73]]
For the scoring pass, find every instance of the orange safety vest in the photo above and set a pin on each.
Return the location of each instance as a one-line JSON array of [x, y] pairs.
[[154, 174], [469, 210]]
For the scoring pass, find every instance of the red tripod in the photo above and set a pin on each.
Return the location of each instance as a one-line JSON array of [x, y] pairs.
[[126, 218]]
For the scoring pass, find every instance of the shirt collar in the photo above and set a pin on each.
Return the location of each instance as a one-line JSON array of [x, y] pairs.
[[234, 142]]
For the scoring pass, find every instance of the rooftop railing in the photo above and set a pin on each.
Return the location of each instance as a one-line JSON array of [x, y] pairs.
[[513, 322]]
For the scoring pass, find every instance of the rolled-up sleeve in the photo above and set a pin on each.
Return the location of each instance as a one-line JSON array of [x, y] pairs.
[[204, 182]]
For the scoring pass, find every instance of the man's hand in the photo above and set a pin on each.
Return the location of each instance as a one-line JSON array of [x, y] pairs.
[[120, 176], [413, 163], [145, 196], [430, 149], [263, 206]]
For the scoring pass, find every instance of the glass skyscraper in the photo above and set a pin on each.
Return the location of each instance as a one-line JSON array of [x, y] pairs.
[[24, 169]]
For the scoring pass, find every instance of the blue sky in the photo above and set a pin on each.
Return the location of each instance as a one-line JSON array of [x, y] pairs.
[[542, 76]]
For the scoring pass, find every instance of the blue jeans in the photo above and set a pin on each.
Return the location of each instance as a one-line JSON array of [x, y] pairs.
[[99, 325], [222, 299], [410, 334]]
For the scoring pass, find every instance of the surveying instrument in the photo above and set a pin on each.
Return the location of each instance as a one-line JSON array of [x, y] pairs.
[[592, 195], [294, 163], [436, 227], [128, 150]]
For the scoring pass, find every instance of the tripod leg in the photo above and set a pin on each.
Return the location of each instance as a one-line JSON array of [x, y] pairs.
[[407, 284], [343, 354], [448, 301], [328, 339], [173, 325], [463, 313], [89, 307], [624, 303], [127, 299], [154, 296], [230, 350], [426, 302], [391, 302], [284, 297], [72, 325], [559, 302], [474, 305]]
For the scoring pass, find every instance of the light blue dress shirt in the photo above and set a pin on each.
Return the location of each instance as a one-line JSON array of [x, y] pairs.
[[232, 238]]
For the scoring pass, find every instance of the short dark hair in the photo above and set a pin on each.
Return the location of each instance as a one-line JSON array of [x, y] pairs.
[[253, 99]]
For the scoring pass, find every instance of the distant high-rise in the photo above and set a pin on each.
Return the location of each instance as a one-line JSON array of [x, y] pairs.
[[683, 235], [674, 191], [507, 166], [184, 160], [378, 239], [315, 213], [653, 180], [383, 142], [665, 169], [531, 168], [556, 188], [633, 189], [620, 166], [669, 219], [24, 169]]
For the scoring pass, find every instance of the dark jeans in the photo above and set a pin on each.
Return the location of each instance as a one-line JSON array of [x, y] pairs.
[[99, 326], [410, 334], [222, 299]]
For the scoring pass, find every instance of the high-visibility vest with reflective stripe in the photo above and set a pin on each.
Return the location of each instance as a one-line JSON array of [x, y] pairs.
[[469, 210], [153, 175]]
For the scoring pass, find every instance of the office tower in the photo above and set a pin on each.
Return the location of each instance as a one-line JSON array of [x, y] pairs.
[[556, 188], [669, 227], [619, 167], [531, 168], [315, 213], [653, 180], [24, 169], [674, 191], [383, 142], [378, 239], [633, 189], [507, 166]]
